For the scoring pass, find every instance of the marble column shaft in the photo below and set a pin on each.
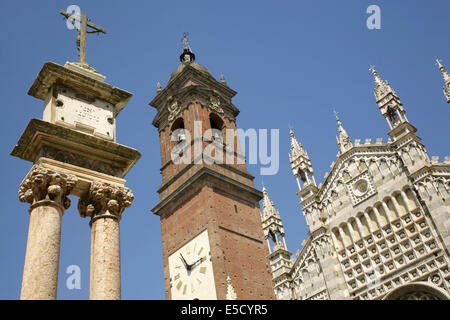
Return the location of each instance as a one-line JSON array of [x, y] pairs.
[[46, 191], [104, 203]]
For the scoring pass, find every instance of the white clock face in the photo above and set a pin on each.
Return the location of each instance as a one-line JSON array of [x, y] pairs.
[[191, 272]]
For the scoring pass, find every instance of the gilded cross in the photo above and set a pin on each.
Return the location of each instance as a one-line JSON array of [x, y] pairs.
[[82, 29]]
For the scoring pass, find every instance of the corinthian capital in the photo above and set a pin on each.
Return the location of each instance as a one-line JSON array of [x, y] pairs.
[[105, 200], [45, 184]]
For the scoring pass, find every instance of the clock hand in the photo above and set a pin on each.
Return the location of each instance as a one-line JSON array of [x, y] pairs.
[[188, 266], [197, 262]]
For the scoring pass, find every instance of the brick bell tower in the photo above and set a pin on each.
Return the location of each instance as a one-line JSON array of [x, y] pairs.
[[213, 244]]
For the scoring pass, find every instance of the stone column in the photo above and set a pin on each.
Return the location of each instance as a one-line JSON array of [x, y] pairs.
[[268, 245], [396, 206], [46, 190], [369, 222], [336, 241], [360, 227], [405, 200], [378, 217], [352, 232], [344, 237], [104, 203], [388, 211]]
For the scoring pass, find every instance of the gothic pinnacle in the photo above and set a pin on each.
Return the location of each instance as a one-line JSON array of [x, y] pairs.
[[296, 147], [343, 140], [376, 76], [442, 69], [268, 206], [446, 87]]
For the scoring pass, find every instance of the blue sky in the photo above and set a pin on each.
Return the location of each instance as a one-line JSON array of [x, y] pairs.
[[291, 63]]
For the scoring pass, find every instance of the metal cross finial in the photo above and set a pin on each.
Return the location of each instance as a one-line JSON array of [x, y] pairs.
[[372, 68], [438, 62], [185, 41], [82, 31], [335, 114]]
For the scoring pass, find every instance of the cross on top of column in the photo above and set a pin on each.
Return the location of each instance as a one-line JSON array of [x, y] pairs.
[[81, 26]]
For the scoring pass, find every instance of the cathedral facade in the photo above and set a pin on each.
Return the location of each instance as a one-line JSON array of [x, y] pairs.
[[379, 225]]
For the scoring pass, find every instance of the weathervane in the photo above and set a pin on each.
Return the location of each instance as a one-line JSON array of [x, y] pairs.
[[81, 26]]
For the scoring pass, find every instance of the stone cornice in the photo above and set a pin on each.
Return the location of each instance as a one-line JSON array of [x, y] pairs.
[[183, 95], [74, 146], [438, 169], [52, 73], [279, 251], [190, 165], [402, 126], [202, 173], [189, 73]]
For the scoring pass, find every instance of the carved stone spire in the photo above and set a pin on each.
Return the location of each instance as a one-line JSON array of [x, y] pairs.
[[388, 101], [268, 206], [343, 140], [45, 184], [296, 147], [445, 75], [300, 163], [272, 224], [382, 87]]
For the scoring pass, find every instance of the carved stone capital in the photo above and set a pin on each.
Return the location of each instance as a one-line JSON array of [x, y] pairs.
[[43, 184], [104, 200]]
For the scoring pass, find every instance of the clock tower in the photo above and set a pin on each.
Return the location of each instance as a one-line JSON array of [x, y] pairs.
[[212, 238]]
